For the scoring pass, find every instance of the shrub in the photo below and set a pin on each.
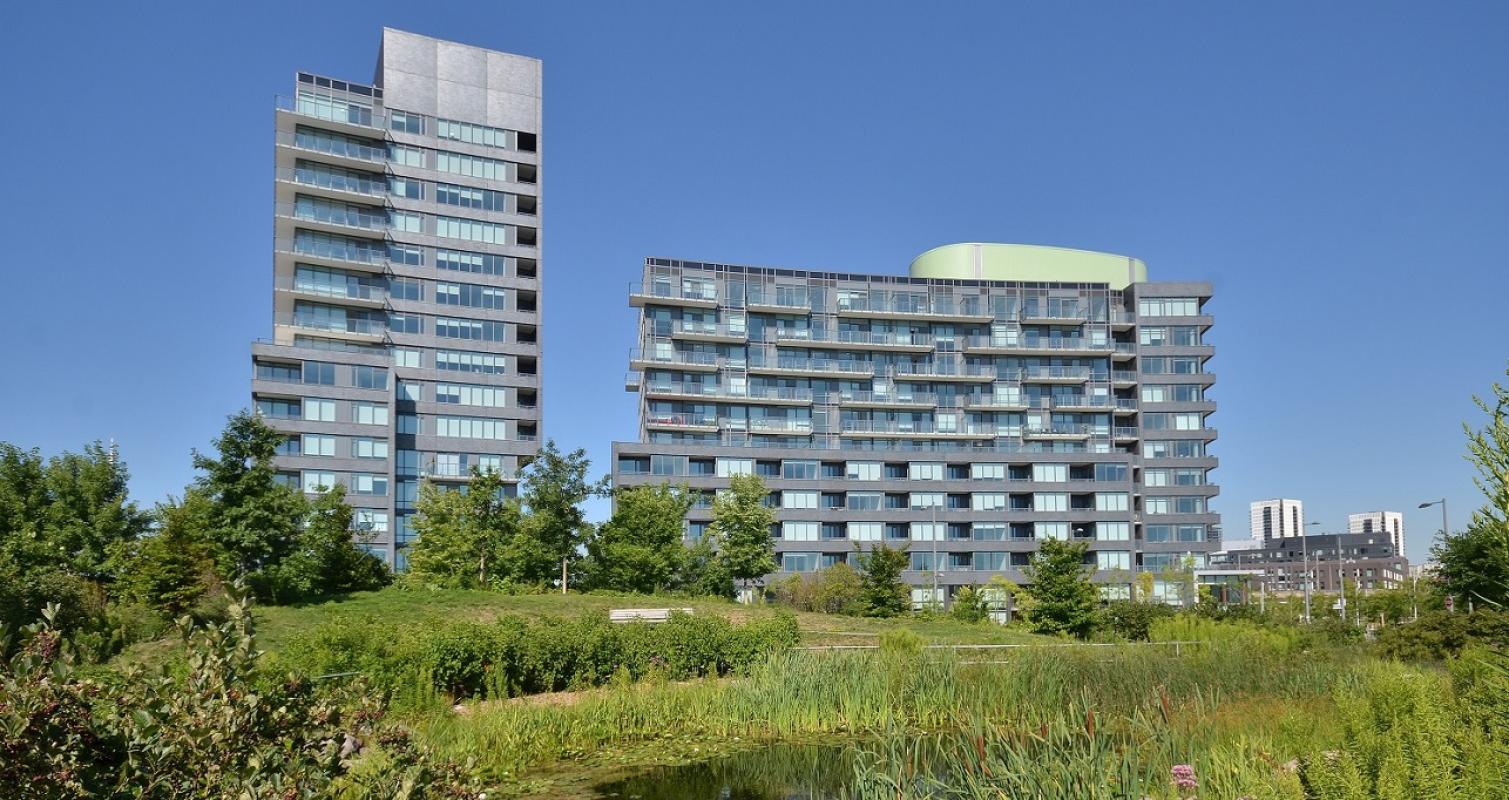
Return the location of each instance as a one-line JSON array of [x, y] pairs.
[[514, 656], [1133, 620], [1239, 636], [1438, 635]]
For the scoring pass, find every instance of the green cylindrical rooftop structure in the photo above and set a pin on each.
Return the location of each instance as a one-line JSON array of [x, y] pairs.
[[982, 261]]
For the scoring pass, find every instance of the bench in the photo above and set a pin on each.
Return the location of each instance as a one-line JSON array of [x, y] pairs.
[[644, 614]]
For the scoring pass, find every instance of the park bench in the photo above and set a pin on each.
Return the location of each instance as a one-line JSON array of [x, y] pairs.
[[644, 614]]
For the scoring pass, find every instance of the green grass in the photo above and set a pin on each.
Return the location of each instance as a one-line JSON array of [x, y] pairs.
[[276, 625]]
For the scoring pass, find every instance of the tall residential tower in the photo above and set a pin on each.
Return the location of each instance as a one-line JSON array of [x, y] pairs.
[[997, 396], [1385, 522], [1277, 519], [406, 278]]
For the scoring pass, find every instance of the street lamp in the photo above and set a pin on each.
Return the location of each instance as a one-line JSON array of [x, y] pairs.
[[1305, 555], [1442, 503]]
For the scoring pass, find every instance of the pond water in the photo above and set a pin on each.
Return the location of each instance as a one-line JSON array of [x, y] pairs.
[[777, 772]]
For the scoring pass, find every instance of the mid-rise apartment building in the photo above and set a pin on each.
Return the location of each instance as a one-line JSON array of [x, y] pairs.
[[1390, 523], [996, 396], [406, 278], [1332, 560], [1277, 519]]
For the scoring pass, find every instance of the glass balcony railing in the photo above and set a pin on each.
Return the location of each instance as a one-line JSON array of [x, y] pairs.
[[340, 182], [1027, 343], [351, 290], [1056, 373], [360, 325], [718, 329], [671, 291], [715, 391], [675, 357], [917, 428], [944, 368], [345, 217], [334, 146]]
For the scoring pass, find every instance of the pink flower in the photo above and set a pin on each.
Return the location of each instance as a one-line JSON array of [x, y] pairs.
[[1184, 776]]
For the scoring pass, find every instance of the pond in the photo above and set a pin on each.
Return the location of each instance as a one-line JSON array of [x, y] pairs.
[[776, 772]]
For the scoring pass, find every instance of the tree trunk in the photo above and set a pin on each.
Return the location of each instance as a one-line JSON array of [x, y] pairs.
[[563, 574]]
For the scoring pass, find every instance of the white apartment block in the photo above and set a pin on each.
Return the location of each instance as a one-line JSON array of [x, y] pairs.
[[1388, 522], [1277, 519]]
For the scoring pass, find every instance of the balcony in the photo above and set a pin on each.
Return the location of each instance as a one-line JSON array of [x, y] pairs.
[[1070, 317], [687, 423], [785, 427], [335, 221], [1121, 320], [353, 293], [779, 303], [669, 390], [1125, 351], [335, 185], [689, 330], [874, 400], [684, 361], [1122, 377], [809, 367], [855, 340], [347, 154], [363, 254], [943, 373], [1059, 432], [1056, 374], [1066, 347], [363, 118], [1079, 403], [1124, 433], [913, 430], [996, 403], [355, 328], [632, 381], [1126, 405], [936, 310], [660, 294]]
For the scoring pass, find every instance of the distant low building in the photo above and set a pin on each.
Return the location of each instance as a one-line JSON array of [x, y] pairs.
[[1369, 560]]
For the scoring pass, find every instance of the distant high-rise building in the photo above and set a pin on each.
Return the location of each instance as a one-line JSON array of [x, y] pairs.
[[1277, 519], [1389, 522], [406, 275], [995, 397]]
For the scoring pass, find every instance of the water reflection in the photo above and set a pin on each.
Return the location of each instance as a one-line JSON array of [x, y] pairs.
[[777, 772]]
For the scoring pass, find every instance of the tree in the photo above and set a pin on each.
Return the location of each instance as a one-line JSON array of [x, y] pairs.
[[969, 605], [882, 594], [327, 559], [253, 521], [68, 512], [556, 485], [1063, 598], [464, 536], [1475, 563], [171, 571], [741, 524], [1142, 587], [702, 572], [639, 548]]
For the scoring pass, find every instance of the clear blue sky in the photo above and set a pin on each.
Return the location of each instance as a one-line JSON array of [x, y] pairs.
[[1338, 170]]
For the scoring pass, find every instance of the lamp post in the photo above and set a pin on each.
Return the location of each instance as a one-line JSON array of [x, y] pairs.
[[1304, 551], [1442, 503]]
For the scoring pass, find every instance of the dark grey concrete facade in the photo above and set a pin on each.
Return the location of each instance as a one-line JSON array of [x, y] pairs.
[[964, 418], [407, 271]]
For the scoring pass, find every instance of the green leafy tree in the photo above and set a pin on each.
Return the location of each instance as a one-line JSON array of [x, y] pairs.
[[1474, 564], [1063, 598], [171, 571], [882, 594], [969, 605], [640, 549], [702, 572], [252, 521], [741, 523], [555, 486], [464, 537], [327, 559]]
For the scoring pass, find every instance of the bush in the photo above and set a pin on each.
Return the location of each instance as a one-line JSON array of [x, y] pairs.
[[834, 590], [1132, 620], [514, 656], [1239, 636], [1438, 635]]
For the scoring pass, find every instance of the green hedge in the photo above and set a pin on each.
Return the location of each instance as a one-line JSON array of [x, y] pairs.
[[514, 656]]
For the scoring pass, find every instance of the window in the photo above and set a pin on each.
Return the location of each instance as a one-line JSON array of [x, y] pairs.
[[281, 409], [369, 413], [289, 446], [987, 472], [319, 410], [799, 531], [282, 373], [318, 445], [863, 470], [465, 361], [465, 261], [471, 166], [1113, 559], [1050, 501], [799, 470], [805, 500], [405, 122], [370, 377], [1113, 531], [1175, 505], [926, 500], [405, 323], [928, 531], [989, 531], [863, 501], [470, 428], [865, 531], [471, 230], [365, 519], [1173, 393], [799, 562], [467, 197], [729, 467], [1111, 501], [474, 329], [1111, 472], [479, 134], [365, 483], [1179, 448], [1050, 473], [981, 501], [1168, 307], [407, 156], [470, 295], [403, 357], [409, 423], [369, 448], [922, 561], [318, 481], [925, 471], [319, 373], [1051, 530], [468, 395]]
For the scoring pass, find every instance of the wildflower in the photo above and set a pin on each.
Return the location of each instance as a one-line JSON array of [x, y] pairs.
[[1184, 776]]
